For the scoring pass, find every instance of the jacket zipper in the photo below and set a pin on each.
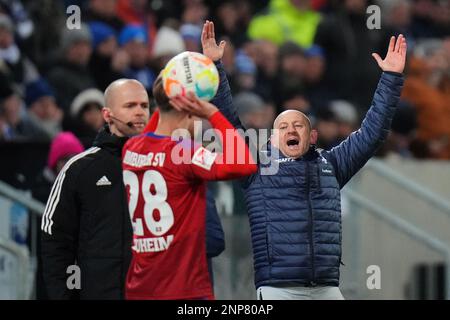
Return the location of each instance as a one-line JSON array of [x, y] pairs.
[[318, 178], [269, 247], [311, 230]]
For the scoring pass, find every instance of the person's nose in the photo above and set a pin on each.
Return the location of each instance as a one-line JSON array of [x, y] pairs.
[[140, 112], [292, 129]]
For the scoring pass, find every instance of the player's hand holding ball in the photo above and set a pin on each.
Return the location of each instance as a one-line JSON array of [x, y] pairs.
[[193, 105]]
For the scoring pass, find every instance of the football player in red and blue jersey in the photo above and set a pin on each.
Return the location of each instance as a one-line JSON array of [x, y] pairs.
[[166, 183]]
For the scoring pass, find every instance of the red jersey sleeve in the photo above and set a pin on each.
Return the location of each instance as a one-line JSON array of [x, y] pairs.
[[235, 161], [152, 123]]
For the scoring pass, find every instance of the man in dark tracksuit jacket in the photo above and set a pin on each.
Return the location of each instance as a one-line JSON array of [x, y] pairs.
[[295, 210], [86, 220], [90, 224]]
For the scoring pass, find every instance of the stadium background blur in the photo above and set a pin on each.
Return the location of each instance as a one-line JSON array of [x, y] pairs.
[[314, 56]]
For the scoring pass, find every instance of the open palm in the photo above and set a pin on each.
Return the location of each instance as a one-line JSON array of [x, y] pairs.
[[209, 44], [395, 56]]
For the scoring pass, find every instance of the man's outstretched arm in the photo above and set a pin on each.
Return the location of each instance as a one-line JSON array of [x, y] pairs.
[[351, 155], [223, 99]]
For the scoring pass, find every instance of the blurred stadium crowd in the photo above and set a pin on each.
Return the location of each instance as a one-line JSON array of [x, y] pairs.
[[311, 55]]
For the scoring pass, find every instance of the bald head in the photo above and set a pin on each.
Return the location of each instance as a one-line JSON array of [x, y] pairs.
[[126, 107], [288, 114], [120, 86]]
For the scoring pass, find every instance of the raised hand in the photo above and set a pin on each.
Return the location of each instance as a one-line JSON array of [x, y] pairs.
[[395, 56], [209, 44]]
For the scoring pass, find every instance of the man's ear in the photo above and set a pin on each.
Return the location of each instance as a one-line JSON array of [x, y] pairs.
[[274, 140], [106, 113], [313, 136]]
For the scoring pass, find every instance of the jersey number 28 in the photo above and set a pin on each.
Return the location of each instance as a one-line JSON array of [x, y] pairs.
[[153, 202]]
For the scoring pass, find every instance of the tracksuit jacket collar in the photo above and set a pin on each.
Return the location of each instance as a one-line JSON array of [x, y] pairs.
[[106, 140]]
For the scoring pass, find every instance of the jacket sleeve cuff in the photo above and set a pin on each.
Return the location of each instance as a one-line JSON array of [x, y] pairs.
[[392, 78], [398, 74]]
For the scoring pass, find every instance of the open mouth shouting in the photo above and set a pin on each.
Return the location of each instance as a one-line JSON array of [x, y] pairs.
[[293, 143]]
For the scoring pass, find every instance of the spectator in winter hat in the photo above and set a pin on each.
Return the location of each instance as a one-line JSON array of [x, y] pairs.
[[42, 108], [315, 64], [101, 34], [402, 138], [15, 124], [292, 60], [313, 78], [191, 34], [86, 116], [107, 63], [64, 146], [346, 115], [168, 43], [21, 69], [253, 111], [245, 72], [134, 33], [327, 126], [72, 37], [104, 11], [71, 75], [133, 39]]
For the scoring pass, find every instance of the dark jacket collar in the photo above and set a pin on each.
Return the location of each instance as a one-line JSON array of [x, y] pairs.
[[110, 142]]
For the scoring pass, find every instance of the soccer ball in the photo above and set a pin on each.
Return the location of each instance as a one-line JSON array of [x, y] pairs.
[[191, 72]]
